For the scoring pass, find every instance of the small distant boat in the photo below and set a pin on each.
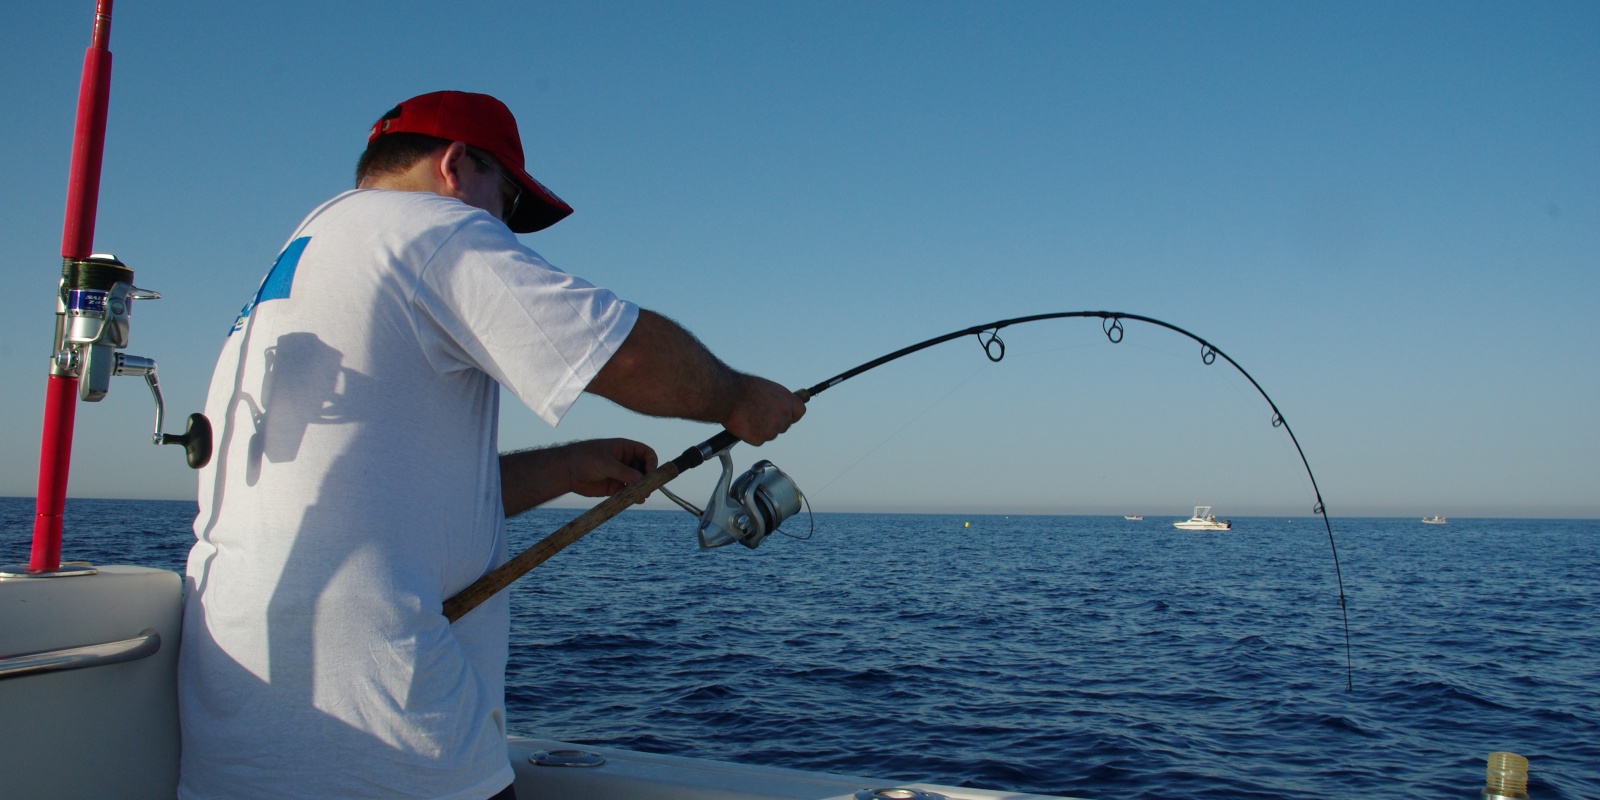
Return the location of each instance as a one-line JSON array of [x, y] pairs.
[[1133, 517], [1203, 521], [1435, 520]]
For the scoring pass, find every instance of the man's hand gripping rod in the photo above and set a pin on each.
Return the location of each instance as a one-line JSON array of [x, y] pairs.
[[506, 574]]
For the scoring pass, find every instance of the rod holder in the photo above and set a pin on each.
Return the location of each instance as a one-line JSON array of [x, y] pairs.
[[1507, 778]]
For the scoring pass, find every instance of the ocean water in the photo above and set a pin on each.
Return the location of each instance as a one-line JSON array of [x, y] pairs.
[[1085, 656]]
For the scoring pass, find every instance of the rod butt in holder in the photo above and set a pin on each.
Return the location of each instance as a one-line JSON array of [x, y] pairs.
[[1507, 779]]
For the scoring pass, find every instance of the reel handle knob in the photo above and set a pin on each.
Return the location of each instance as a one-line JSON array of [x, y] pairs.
[[196, 441]]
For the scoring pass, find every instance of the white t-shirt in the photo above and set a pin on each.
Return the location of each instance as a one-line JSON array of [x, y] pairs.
[[355, 485]]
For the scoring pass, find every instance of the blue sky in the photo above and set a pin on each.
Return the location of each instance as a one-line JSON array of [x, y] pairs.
[[1388, 213]]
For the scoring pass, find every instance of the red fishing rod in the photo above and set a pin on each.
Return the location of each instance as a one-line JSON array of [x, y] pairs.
[[77, 236], [92, 316]]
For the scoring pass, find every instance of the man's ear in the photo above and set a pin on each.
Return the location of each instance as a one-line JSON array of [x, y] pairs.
[[449, 166]]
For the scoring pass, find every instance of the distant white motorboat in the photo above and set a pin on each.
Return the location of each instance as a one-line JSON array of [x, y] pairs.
[[1133, 517], [1434, 520], [1203, 521]]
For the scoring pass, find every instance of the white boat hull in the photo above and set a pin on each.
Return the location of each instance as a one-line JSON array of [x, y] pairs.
[[1202, 521], [1201, 525], [102, 731]]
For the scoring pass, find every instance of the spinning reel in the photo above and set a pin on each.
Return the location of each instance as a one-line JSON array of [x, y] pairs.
[[94, 312], [746, 509]]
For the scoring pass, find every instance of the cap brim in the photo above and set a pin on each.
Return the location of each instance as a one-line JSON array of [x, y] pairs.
[[539, 209]]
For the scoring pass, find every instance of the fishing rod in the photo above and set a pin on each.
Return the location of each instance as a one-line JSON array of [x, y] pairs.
[[747, 509], [93, 307]]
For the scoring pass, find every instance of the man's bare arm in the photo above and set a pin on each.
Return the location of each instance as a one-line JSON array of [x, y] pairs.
[[593, 468], [664, 371]]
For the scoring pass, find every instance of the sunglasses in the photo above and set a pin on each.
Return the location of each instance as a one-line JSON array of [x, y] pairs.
[[488, 162]]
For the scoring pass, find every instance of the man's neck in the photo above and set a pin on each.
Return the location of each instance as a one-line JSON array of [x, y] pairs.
[[423, 176]]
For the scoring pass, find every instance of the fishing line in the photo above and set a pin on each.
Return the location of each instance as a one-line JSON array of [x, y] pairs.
[[899, 430], [994, 348]]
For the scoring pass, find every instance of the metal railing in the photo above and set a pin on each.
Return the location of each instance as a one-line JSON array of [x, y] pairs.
[[92, 655]]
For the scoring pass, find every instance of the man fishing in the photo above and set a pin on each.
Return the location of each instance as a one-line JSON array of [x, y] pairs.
[[357, 481]]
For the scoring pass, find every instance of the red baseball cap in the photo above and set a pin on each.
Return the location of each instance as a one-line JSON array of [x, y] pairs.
[[485, 123]]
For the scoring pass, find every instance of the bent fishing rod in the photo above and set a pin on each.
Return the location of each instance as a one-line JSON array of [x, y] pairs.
[[765, 499]]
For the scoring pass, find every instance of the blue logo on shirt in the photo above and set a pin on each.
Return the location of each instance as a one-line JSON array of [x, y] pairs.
[[279, 280]]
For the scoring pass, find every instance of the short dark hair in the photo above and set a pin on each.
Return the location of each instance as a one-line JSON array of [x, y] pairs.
[[396, 152]]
